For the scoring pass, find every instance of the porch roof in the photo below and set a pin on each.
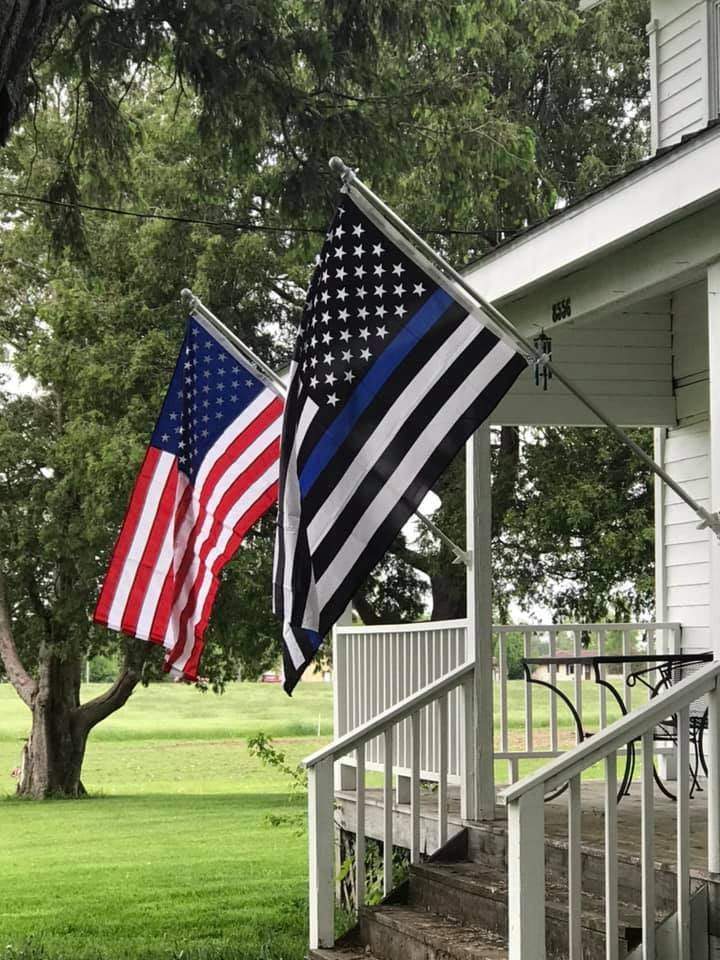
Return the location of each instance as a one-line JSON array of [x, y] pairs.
[[661, 190]]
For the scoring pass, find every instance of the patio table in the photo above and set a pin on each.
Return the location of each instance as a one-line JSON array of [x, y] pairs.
[[654, 671]]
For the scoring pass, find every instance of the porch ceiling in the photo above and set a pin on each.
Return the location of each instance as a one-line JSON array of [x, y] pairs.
[[623, 361]]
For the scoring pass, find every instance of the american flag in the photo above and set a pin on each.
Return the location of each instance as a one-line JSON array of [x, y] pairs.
[[390, 376], [210, 472]]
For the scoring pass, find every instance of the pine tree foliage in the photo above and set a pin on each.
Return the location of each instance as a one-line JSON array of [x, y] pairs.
[[473, 118]]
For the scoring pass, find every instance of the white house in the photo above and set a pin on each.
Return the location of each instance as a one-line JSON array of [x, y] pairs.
[[627, 283]]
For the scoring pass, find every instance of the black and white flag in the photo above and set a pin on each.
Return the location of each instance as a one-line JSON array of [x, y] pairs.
[[390, 376]]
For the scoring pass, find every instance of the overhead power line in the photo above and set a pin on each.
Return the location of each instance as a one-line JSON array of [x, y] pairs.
[[492, 236]]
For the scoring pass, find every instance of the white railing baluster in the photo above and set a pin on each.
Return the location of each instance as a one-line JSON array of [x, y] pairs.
[[360, 827], [321, 854], [415, 788], [611, 876], [442, 781], [577, 648], [467, 776], [503, 678], [526, 876], [647, 836], [388, 812], [626, 669], [574, 869], [602, 692], [683, 833], [552, 637], [528, 696]]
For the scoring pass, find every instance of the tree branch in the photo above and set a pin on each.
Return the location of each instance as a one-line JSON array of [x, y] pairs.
[[23, 683], [98, 709], [412, 558]]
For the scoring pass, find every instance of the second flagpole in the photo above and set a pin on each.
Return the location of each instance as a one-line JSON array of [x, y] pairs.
[[447, 276]]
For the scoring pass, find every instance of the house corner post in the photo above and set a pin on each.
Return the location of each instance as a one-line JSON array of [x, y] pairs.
[[479, 617], [713, 312], [713, 732]]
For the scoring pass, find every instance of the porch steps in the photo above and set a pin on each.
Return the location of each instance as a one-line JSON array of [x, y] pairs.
[[477, 894], [454, 905], [407, 932]]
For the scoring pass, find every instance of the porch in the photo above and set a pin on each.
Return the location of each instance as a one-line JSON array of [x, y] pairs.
[[427, 718], [618, 877]]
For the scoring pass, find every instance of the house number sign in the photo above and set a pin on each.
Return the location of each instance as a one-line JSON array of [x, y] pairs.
[[561, 310]]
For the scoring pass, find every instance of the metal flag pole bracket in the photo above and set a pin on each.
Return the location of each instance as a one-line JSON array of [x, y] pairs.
[[483, 311], [280, 387]]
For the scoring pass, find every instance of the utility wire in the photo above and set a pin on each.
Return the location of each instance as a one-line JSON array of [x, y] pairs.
[[233, 224]]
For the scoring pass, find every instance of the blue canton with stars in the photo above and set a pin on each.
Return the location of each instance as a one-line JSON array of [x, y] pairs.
[[362, 293], [208, 390]]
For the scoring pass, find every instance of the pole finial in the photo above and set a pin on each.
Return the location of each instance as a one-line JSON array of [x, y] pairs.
[[338, 166], [188, 297]]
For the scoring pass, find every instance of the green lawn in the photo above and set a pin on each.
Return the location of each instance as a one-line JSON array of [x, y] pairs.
[[173, 856]]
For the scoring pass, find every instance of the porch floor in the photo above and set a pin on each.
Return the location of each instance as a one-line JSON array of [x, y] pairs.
[[555, 821]]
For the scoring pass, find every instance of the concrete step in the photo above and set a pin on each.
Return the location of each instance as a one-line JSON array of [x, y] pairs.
[[400, 932], [341, 953], [477, 894], [487, 845]]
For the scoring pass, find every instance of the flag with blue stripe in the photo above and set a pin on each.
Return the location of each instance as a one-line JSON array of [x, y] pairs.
[[390, 376]]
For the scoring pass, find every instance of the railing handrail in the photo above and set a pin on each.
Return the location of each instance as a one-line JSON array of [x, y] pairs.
[[402, 627], [621, 625], [423, 625], [401, 711], [617, 734]]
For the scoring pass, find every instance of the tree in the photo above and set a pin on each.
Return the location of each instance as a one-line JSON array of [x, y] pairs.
[[579, 537], [228, 112]]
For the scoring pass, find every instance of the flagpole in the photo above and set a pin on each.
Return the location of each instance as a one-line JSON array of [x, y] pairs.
[[280, 387], [503, 326]]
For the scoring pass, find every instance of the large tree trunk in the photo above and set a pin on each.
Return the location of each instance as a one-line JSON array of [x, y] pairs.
[[54, 753]]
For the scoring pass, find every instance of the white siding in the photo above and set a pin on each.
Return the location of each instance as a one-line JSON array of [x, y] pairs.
[[624, 363], [686, 69], [686, 549], [690, 352], [684, 581]]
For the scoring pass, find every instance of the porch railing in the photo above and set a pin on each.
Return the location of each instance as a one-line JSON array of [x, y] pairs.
[[357, 743], [376, 667], [526, 823]]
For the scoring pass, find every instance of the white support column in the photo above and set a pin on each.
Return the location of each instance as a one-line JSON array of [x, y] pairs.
[[321, 855], [526, 876], [712, 735], [713, 297], [479, 615]]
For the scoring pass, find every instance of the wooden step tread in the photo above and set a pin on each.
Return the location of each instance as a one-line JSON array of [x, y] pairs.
[[491, 883], [441, 935], [341, 953]]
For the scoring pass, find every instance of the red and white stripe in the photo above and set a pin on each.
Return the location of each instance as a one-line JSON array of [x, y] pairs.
[[177, 536]]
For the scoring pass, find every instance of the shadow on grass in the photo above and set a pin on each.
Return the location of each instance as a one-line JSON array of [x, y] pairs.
[[172, 801]]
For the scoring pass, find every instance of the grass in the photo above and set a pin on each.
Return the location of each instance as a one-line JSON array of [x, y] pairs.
[[173, 856], [171, 711]]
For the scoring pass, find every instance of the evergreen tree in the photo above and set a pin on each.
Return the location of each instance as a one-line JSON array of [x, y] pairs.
[[473, 118]]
